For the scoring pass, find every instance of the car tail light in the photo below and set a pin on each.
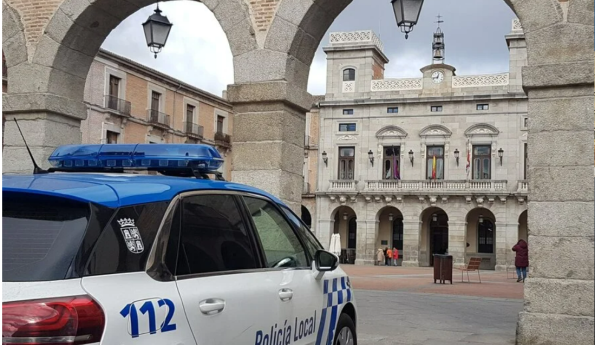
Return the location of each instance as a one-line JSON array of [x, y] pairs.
[[57, 321]]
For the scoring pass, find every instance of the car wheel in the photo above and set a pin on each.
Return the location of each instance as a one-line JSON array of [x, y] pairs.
[[345, 334]]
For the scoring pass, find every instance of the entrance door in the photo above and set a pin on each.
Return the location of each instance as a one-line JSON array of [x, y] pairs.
[[398, 236], [438, 236], [351, 240]]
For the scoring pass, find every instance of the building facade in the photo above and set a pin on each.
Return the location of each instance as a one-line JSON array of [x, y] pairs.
[[429, 165], [131, 103]]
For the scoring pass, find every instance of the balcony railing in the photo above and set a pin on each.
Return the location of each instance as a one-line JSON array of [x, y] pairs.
[[194, 130], [523, 186], [222, 139], [158, 118], [436, 185], [117, 104], [343, 186]]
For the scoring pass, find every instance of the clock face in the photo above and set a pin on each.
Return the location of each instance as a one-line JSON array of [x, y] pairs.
[[437, 77]]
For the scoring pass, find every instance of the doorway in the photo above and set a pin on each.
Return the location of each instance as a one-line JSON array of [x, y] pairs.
[[438, 235]]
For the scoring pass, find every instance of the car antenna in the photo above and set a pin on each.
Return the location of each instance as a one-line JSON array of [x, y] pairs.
[[36, 168]]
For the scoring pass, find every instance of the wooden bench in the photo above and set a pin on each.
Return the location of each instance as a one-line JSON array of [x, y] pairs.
[[473, 265]]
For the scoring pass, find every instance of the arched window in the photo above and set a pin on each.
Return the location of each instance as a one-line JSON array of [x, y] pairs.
[[485, 237], [348, 74]]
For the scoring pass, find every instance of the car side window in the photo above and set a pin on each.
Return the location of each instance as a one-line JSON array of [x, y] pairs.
[[213, 237], [281, 246], [311, 242]]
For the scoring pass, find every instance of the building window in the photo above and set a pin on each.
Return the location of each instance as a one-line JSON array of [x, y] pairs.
[[525, 122], [347, 111], [347, 127], [392, 166], [190, 113], [435, 163], [485, 237], [114, 92], [348, 74], [526, 162], [220, 121], [482, 162], [155, 100], [111, 137], [436, 108], [483, 107], [392, 110], [346, 163]]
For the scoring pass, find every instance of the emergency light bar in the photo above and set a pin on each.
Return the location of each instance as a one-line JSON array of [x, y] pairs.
[[169, 159]]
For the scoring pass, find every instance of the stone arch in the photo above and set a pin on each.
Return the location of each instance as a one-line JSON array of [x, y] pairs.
[[435, 130], [439, 225], [391, 132], [345, 224], [482, 129], [523, 232]]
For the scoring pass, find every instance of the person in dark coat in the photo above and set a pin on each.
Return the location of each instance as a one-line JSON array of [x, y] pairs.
[[522, 260]]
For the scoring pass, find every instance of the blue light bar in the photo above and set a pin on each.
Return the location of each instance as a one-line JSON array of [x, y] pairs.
[[202, 158]]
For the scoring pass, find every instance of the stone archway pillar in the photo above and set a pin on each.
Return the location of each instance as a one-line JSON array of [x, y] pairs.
[[268, 143], [367, 231], [506, 238], [559, 291], [324, 229], [457, 242], [47, 121], [411, 237]]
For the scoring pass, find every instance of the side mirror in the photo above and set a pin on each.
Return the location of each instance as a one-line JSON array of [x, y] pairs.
[[326, 261]]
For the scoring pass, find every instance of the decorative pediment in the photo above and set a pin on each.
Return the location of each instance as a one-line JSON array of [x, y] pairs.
[[347, 137], [435, 131], [391, 132], [482, 129]]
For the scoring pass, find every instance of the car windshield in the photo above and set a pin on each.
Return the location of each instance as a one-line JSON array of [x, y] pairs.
[[40, 235]]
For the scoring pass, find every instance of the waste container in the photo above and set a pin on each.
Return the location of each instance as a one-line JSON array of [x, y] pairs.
[[442, 268]]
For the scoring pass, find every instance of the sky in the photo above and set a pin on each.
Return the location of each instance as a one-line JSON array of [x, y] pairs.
[[197, 51]]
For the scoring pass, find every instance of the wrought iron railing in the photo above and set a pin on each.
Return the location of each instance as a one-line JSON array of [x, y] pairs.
[[192, 129], [118, 104], [222, 138], [156, 117]]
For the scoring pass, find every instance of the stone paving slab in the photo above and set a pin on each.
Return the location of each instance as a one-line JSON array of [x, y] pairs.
[[408, 318]]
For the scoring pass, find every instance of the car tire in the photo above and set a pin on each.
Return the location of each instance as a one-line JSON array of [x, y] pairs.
[[345, 334]]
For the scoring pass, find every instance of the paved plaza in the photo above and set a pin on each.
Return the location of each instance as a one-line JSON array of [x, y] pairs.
[[403, 306]]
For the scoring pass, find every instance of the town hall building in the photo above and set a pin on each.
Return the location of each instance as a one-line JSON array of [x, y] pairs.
[[429, 165]]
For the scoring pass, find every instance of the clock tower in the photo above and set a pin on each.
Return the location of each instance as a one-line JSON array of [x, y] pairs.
[[438, 76]]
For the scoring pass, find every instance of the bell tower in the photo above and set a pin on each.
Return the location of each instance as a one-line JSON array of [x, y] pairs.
[[438, 44]]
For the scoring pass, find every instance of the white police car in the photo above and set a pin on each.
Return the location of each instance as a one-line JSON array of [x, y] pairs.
[[95, 256]]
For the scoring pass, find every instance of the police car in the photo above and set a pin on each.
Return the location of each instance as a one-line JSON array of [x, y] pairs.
[[94, 254]]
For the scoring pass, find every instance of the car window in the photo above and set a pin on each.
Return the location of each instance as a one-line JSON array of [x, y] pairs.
[[281, 245], [125, 243], [213, 237], [40, 236], [311, 242]]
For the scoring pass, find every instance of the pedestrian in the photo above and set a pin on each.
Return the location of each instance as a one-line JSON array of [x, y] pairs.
[[522, 259], [379, 257], [389, 257], [395, 256]]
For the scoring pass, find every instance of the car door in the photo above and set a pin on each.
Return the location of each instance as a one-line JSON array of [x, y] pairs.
[[227, 295], [286, 254]]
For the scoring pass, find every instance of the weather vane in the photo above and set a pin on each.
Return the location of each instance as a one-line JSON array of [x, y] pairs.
[[439, 21]]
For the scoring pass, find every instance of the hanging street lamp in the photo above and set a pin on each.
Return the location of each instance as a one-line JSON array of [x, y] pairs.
[[407, 13], [157, 29]]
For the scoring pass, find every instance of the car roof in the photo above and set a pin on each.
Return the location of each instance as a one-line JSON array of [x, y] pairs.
[[117, 190]]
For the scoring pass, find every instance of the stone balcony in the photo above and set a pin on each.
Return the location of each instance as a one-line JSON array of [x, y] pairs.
[[387, 190]]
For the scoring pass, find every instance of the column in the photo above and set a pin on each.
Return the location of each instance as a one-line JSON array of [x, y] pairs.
[[457, 242], [506, 238], [268, 144], [411, 237], [366, 242], [324, 229]]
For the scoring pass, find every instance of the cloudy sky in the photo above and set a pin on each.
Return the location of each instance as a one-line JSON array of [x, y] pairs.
[[198, 53]]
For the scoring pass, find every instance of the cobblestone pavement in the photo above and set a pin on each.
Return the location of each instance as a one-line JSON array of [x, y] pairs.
[[402, 306]]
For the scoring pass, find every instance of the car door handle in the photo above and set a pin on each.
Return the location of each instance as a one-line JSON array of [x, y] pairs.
[[285, 294], [212, 306]]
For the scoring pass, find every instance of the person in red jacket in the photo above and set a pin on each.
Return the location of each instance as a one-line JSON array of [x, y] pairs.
[[522, 260]]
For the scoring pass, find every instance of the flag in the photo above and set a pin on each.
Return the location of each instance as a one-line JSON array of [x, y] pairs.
[[468, 167], [434, 168]]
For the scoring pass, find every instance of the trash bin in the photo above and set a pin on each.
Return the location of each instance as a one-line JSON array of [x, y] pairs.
[[442, 268]]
